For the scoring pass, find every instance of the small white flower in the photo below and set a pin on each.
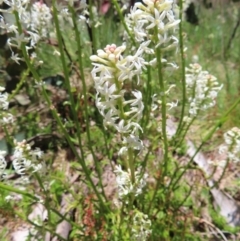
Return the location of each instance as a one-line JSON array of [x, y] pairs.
[[202, 87], [56, 53], [123, 151], [25, 159], [125, 185], [172, 105], [141, 226], [133, 141], [83, 4], [15, 58], [3, 162], [110, 70], [232, 144], [4, 101], [17, 40], [222, 149], [147, 17], [6, 118]]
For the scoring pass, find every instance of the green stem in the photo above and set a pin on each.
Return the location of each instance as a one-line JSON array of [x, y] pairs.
[[43, 227], [163, 110], [147, 99], [131, 164], [8, 137], [179, 143], [57, 118], [164, 120], [20, 84], [81, 66], [15, 190], [66, 72], [222, 175], [179, 129], [114, 2], [47, 197], [93, 29], [219, 123]]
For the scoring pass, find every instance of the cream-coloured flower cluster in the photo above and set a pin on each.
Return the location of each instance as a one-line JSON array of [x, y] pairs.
[[125, 185], [202, 89], [3, 164], [154, 18], [121, 109], [5, 117], [26, 159], [232, 144], [141, 226], [36, 22]]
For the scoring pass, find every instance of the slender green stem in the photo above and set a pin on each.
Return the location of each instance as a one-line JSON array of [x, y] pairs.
[[57, 118], [164, 120], [66, 74], [86, 110], [179, 129], [182, 136], [69, 220], [93, 29], [147, 99], [179, 143], [8, 137], [15, 190], [163, 110], [222, 175], [114, 2], [42, 227], [47, 197], [207, 137], [20, 84], [109, 154], [131, 164]]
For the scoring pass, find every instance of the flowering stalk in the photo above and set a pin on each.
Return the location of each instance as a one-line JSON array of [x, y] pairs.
[[231, 147], [155, 22], [203, 89], [81, 67], [28, 161], [181, 45], [147, 93], [141, 226], [5, 117], [163, 110], [93, 28], [25, 159], [23, 36], [126, 186], [123, 21], [110, 72], [232, 144]]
